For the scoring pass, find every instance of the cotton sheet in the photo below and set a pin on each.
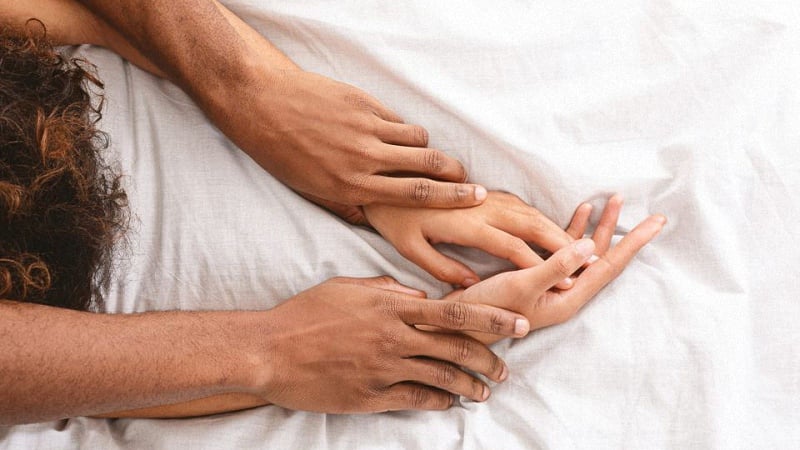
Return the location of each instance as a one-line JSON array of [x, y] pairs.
[[687, 108]]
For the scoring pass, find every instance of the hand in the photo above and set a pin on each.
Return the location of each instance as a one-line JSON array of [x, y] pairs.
[[337, 145], [531, 291], [350, 345], [503, 226]]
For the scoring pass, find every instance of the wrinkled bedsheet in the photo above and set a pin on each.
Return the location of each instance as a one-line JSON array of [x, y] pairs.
[[688, 108]]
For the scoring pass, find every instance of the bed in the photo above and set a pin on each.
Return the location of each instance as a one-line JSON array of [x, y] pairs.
[[687, 108]]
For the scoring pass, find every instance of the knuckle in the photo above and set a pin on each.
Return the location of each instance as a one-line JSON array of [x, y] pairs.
[[445, 273], [477, 388], [362, 150], [406, 248], [420, 191], [516, 247], [536, 223], [357, 100], [495, 365], [419, 135], [356, 187], [390, 304], [419, 397], [496, 324], [454, 315], [462, 350], [563, 267], [460, 192], [389, 342], [433, 161], [445, 375]]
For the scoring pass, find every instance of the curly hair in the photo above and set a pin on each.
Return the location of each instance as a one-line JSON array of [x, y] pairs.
[[61, 207]]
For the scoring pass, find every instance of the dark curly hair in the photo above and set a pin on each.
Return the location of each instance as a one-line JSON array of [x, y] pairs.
[[61, 207]]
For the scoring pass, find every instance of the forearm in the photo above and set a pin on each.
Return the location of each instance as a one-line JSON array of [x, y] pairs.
[[198, 44], [201, 407], [57, 363]]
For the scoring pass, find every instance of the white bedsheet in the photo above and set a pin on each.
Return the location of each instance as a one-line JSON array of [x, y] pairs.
[[689, 108]]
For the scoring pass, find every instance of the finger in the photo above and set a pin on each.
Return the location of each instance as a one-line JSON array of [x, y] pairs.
[[402, 134], [529, 224], [444, 376], [461, 350], [577, 226], [443, 268], [404, 396], [422, 192], [557, 268], [608, 224], [385, 113], [611, 264], [457, 316], [504, 245], [580, 220], [423, 161], [384, 282]]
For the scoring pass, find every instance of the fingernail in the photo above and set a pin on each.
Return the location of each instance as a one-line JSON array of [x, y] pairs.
[[585, 247], [480, 193], [521, 327], [660, 218], [469, 281], [503, 373], [485, 393], [567, 281], [592, 259]]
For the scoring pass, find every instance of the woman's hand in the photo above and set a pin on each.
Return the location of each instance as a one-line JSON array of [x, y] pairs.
[[502, 225], [531, 292]]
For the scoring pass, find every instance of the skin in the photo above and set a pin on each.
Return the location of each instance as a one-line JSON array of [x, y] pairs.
[[503, 226], [299, 355], [120, 373], [325, 139], [532, 292], [90, 364]]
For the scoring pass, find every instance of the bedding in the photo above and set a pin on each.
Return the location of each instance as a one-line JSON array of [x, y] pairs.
[[686, 108]]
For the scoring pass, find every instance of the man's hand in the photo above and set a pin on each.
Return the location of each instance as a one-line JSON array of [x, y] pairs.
[[503, 226], [330, 141], [335, 142], [350, 345]]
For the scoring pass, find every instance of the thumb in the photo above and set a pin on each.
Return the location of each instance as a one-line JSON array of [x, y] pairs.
[[513, 290]]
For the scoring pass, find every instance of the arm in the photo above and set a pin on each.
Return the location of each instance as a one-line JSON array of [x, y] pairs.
[[69, 23], [58, 363], [533, 292], [329, 141]]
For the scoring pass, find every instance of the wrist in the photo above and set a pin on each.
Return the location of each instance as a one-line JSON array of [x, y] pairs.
[[256, 364]]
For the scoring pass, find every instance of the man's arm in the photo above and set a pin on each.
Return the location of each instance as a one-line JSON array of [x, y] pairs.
[[57, 363], [329, 141]]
